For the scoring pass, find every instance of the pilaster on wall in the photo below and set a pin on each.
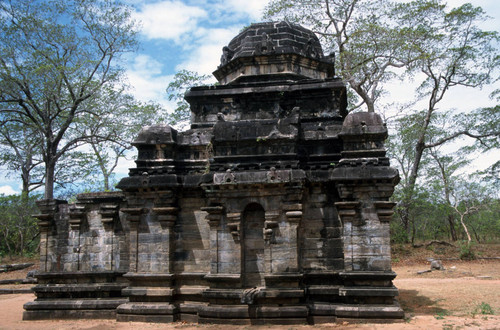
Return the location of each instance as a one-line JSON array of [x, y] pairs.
[[365, 182], [49, 214], [150, 291]]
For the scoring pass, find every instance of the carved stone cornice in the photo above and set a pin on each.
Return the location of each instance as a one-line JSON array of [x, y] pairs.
[[215, 214]]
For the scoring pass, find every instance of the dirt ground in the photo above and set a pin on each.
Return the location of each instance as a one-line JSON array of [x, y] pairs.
[[459, 297]]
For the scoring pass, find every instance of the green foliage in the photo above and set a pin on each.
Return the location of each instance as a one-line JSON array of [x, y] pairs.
[[18, 229], [441, 314], [466, 250], [398, 233], [55, 58], [111, 133], [362, 33], [483, 309], [182, 82]]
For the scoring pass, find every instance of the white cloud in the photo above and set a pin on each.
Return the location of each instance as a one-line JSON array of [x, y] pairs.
[[168, 19], [253, 8], [7, 190], [205, 57], [148, 83]]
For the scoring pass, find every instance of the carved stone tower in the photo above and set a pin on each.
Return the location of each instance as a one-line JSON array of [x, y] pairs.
[[272, 208]]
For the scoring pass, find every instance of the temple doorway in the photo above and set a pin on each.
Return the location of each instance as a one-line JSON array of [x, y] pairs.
[[253, 245]]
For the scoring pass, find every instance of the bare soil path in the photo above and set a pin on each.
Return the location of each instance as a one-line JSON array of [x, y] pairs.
[[455, 298]]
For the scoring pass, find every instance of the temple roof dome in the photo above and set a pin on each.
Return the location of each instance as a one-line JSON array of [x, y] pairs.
[[279, 49]]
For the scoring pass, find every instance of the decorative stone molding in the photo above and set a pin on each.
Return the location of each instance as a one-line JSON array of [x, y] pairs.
[[48, 209], [294, 216], [76, 215], [349, 211], [270, 226], [109, 213], [233, 224], [166, 215], [215, 214], [385, 210], [134, 213]]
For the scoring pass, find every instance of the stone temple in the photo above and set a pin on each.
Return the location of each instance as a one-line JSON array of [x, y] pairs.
[[272, 208]]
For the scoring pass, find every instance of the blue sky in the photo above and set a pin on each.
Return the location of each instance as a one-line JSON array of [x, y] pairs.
[[190, 35]]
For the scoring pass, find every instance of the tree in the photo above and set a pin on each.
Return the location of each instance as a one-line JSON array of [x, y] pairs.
[[363, 34], [120, 120], [451, 51], [55, 56], [19, 153], [183, 80], [18, 228]]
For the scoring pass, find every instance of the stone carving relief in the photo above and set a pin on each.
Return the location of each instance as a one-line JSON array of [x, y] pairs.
[[265, 46]]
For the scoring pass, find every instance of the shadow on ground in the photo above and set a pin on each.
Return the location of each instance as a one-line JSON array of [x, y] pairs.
[[412, 302]]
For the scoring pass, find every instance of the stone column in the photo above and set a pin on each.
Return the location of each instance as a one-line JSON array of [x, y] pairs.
[[166, 216], [365, 181], [134, 217], [270, 226], [49, 212]]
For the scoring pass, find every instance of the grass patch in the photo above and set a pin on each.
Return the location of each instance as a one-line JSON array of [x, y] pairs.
[[441, 314], [483, 309]]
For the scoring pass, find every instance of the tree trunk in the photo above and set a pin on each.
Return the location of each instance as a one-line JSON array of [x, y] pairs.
[[453, 232], [49, 180], [469, 239], [106, 182], [26, 182]]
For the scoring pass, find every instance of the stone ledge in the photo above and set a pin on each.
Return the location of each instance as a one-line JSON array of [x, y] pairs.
[[252, 321], [369, 291], [145, 318], [357, 311], [223, 277], [76, 304], [57, 288], [323, 290], [369, 311], [138, 308], [368, 275], [148, 292], [32, 315], [242, 312]]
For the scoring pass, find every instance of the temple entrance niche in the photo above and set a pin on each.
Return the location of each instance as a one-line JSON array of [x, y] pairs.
[[253, 245]]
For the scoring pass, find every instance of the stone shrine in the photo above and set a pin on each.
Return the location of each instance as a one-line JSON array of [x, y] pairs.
[[272, 208]]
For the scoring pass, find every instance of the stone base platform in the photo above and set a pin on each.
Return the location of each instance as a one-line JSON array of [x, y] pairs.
[[76, 295]]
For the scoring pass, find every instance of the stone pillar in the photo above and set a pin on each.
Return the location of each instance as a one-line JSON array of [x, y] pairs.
[[49, 214], [166, 216], [76, 215], [134, 217], [270, 226], [365, 182], [151, 290]]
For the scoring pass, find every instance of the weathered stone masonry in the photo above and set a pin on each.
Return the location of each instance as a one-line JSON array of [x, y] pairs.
[[273, 208]]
